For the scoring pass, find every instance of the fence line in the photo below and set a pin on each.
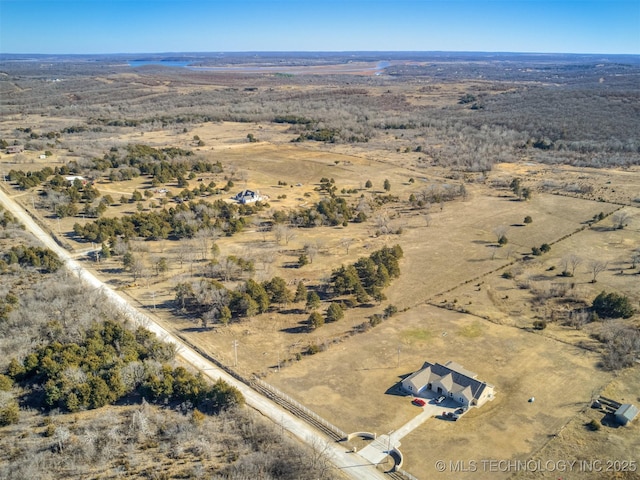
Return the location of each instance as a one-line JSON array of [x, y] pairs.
[[339, 434], [257, 384]]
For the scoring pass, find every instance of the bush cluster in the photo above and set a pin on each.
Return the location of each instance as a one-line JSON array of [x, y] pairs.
[[612, 305], [110, 363], [369, 275]]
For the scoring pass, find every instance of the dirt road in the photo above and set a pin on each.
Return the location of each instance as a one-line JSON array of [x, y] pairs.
[[351, 464]]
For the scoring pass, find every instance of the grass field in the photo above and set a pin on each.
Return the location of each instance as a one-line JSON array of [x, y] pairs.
[[451, 265]]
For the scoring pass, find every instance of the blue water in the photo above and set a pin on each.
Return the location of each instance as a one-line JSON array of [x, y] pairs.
[[381, 65]]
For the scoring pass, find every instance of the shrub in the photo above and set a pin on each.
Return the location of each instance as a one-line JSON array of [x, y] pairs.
[[508, 274], [540, 324], [612, 305], [528, 219], [303, 260], [5, 383], [375, 319], [9, 414], [390, 311], [593, 425]]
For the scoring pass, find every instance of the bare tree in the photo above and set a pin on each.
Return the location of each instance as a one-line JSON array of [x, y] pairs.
[[120, 247], [261, 227], [289, 234], [267, 258], [382, 222], [570, 263], [279, 232], [227, 268], [311, 249], [182, 252], [620, 219], [203, 238], [574, 261], [137, 268], [500, 232], [596, 267], [346, 242]]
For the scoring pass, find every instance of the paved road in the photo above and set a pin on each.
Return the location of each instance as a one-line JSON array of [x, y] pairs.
[[351, 464]]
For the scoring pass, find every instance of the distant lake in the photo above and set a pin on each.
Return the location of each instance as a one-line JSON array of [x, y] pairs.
[[348, 67], [164, 63]]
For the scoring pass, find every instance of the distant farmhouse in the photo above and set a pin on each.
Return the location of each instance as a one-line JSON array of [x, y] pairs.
[[15, 149], [450, 380], [73, 178], [249, 196]]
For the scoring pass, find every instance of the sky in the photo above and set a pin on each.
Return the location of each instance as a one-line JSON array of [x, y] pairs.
[[159, 26]]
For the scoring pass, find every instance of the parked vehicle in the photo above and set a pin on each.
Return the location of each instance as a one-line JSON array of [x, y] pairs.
[[450, 416], [419, 402], [440, 399]]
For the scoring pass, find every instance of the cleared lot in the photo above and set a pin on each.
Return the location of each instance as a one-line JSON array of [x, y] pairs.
[[348, 384]]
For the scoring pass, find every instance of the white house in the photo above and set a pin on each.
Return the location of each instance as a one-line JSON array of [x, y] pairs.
[[248, 196], [73, 178], [451, 380]]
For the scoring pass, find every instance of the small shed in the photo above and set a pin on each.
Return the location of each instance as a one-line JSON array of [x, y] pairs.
[[626, 413]]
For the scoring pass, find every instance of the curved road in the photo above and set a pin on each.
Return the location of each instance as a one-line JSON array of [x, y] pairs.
[[351, 464]]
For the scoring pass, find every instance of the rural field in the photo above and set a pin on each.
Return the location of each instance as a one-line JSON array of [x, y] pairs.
[[509, 226]]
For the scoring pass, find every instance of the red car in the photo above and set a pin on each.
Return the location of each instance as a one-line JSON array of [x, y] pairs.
[[419, 402]]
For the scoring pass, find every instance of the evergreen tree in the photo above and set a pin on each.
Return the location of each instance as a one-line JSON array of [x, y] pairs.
[[313, 301], [258, 293], [301, 293], [315, 320], [334, 313]]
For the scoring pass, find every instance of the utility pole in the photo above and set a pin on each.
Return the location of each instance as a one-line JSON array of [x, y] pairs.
[[235, 353]]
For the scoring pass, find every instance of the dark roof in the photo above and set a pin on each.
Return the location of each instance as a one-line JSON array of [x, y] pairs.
[[455, 378], [464, 381]]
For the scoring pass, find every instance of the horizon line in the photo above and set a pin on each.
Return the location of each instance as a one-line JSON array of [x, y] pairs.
[[223, 52]]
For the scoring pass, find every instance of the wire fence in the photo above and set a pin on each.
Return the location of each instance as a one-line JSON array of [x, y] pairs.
[[298, 409]]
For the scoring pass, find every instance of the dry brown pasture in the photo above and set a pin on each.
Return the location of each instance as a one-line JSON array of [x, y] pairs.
[[451, 260], [348, 385], [606, 453]]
